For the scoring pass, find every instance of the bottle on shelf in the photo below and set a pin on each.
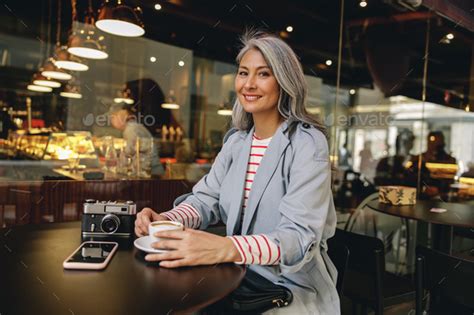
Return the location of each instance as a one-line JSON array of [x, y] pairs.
[[172, 133], [111, 160]]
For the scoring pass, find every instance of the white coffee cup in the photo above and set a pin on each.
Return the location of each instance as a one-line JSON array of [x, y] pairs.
[[158, 226]]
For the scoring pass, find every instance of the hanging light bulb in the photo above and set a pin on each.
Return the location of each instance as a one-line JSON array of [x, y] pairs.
[[38, 88], [119, 19], [170, 101], [124, 96], [49, 70], [64, 60], [72, 90], [38, 79]]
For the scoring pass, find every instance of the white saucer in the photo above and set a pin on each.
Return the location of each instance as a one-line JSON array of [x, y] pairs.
[[144, 243]]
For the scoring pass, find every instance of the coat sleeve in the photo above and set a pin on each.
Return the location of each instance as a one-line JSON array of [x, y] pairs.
[[308, 202], [205, 194]]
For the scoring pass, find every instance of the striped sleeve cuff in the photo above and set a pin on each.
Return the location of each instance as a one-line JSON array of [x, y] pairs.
[[185, 214], [256, 249]]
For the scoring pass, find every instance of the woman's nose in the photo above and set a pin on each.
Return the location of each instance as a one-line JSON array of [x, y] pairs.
[[250, 83]]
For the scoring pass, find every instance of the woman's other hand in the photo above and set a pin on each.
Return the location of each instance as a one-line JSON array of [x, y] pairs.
[[144, 218]]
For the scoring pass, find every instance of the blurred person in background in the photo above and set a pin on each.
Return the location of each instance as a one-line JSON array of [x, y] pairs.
[[123, 118]]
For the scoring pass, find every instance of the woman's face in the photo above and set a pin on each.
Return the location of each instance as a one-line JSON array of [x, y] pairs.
[[255, 84]]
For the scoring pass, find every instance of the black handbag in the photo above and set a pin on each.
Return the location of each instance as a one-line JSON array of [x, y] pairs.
[[255, 295]]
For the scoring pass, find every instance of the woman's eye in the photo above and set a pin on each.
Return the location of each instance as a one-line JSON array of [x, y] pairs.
[[242, 73], [264, 74]]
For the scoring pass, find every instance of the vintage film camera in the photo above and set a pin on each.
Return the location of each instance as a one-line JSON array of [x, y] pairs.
[[108, 218]]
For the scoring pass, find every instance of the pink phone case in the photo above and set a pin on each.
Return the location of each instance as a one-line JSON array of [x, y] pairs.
[[90, 266]]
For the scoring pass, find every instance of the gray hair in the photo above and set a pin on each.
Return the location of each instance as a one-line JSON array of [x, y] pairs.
[[288, 72]]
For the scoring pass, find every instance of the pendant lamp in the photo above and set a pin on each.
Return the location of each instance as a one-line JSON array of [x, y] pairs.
[[72, 90], [84, 42], [49, 70], [64, 60], [119, 19], [170, 101], [124, 96], [38, 88], [225, 109], [41, 80]]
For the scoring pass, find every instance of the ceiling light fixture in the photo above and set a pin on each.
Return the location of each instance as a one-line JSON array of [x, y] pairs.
[[225, 108], [121, 20], [363, 4], [450, 36], [289, 28], [170, 101], [153, 59], [64, 60], [124, 96], [224, 112], [328, 62], [83, 43], [157, 7], [38, 88], [72, 90], [181, 63], [43, 81], [49, 70], [352, 91]]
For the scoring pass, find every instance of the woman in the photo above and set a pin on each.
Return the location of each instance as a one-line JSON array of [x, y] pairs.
[[279, 218]]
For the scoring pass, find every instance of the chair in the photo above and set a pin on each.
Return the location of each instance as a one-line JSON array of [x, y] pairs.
[[366, 282], [393, 231], [339, 254], [448, 282]]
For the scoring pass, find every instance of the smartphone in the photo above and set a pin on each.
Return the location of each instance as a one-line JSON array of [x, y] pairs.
[[91, 255]]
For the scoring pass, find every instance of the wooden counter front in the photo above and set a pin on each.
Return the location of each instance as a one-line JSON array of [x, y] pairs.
[[62, 200]]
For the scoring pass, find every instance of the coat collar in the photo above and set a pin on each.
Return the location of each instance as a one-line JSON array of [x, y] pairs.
[[265, 171]]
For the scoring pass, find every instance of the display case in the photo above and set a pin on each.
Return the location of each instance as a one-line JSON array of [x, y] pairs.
[[24, 145], [71, 146]]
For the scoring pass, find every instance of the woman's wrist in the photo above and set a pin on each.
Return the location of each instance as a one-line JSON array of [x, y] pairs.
[[162, 217], [230, 252]]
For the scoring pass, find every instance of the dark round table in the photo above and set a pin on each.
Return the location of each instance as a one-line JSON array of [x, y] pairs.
[[33, 281], [457, 215]]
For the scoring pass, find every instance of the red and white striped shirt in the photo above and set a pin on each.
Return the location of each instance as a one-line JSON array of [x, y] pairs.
[[253, 249]]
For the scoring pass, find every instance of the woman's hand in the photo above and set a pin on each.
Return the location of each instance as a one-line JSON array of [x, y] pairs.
[[144, 218], [193, 247]]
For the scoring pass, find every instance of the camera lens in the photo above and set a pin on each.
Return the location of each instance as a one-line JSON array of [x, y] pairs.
[[110, 224]]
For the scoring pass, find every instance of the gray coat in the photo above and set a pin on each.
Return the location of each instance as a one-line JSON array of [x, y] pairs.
[[290, 201]]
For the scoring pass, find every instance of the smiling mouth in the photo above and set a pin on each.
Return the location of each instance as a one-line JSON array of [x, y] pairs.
[[251, 98]]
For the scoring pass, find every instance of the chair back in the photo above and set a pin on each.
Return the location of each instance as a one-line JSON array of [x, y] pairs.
[[339, 254], [364, 251], [448, 279], [366, 261]]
